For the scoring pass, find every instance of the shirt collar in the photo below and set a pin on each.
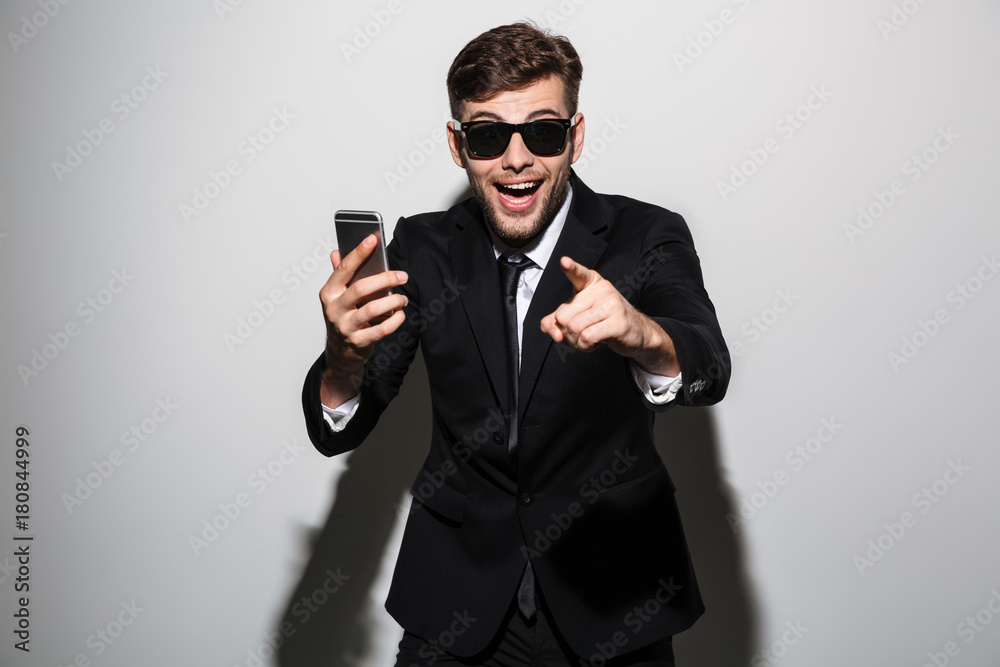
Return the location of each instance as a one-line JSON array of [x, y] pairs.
[[540, 248]]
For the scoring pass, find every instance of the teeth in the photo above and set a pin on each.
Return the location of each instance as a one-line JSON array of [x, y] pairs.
[[519, 186]]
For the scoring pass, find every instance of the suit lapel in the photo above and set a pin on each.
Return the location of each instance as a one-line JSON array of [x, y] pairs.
[[474, 263], [578, 241]]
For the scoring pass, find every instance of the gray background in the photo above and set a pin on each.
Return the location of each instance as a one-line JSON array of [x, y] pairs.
[[658, 130]]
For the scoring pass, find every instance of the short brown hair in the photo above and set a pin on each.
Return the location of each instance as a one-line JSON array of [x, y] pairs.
[[512, 57]]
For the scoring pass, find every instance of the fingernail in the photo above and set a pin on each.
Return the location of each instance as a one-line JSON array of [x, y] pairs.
[[369, 240], [401, 276]]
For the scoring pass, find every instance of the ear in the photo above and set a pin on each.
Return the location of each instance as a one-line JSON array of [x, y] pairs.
[[455, 144], [578, 132]]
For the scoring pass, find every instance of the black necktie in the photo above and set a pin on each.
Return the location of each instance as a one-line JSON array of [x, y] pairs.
[[511, 266], [512, 263]]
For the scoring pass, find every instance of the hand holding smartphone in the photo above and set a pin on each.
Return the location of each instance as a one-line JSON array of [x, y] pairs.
[[352, 228]]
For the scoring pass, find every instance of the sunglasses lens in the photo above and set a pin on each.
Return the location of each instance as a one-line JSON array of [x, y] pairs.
[[544, 137], [488, 139]]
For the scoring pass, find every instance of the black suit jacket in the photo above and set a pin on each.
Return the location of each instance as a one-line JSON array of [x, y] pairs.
[[589, 500]]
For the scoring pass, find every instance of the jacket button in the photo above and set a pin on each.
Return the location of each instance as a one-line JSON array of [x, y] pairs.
[[498, 438], [527, 499]]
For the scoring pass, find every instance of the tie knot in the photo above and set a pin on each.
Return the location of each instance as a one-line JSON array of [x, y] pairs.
[[515, 259], [511, 262]]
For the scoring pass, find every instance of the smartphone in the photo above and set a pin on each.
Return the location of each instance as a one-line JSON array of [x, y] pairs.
[[352, 228]]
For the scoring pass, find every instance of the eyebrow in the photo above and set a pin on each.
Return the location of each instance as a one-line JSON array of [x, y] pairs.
[[540, 113]]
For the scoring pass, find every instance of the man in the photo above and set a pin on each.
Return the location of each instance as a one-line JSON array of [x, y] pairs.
[[553, 322]]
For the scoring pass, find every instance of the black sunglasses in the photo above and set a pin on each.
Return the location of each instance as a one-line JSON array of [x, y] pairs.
[[490, 138]]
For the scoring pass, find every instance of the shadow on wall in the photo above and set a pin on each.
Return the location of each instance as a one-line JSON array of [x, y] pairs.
[[357, 531], [363, 517], [727, 633]]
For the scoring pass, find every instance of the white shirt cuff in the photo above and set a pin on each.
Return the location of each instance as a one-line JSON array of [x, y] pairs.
[[338, 417], [658, 389]]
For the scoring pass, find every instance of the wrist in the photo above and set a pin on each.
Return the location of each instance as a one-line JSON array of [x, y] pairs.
[[336, 389], [656, 353], [342, 373]]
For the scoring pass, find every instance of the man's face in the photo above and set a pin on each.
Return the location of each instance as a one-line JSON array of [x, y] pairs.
[[518, 214]]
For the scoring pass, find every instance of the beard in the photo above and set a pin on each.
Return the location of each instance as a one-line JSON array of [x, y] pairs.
[[513, 228]]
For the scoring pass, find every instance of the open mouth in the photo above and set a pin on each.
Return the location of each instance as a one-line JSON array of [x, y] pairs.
[[517, 196]]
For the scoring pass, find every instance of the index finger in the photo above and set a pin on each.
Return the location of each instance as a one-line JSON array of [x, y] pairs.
[[578, 274]]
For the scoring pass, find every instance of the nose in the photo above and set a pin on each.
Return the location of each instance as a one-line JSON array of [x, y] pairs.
[[517, 156]]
